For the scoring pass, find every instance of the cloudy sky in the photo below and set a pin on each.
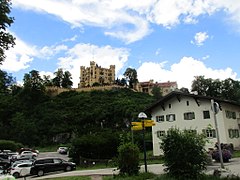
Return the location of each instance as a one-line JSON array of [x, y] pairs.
[[164, 40]]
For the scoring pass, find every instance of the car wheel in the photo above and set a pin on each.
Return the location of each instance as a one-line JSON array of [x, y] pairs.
[[16, 175], [68, 168], [40, 173]]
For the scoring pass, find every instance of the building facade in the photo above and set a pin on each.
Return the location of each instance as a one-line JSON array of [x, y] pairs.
[[96, 75], [193, 112], [166, 87]]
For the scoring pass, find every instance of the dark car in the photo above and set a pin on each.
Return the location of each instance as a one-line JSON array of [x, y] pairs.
[[4, 163], [46, 165]]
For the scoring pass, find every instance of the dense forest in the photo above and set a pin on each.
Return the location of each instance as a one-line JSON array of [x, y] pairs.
[[30, 116]]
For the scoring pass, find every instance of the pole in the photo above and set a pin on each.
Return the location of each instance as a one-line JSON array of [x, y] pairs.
[[144, 146], [215, 110]]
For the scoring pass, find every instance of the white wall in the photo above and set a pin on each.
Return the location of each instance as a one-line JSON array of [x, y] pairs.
[[199, 123]]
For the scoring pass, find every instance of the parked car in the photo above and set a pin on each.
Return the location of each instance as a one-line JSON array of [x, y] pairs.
[[28, 149], [46, 165], [28, 153], [20, 169], [62, 150], [4, 163]]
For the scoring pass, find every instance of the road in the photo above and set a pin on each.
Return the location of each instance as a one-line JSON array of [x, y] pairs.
[[232, 167]]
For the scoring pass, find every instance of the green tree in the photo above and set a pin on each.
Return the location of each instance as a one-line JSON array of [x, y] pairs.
[[131, 75], [227, 89], [6, 39], [66, 81], [128, 159], [184, 154], [62, 79], [156, 91], [6, 82], [33, 91]]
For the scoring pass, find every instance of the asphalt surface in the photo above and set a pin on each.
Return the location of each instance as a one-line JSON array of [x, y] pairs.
[[230, 168]]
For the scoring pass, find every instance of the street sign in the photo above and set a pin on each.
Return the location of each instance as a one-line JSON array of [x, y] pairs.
[[137, 128], [149, 123], [139, 125]]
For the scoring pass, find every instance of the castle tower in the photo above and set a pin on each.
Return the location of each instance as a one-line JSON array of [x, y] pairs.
[[96, 75]]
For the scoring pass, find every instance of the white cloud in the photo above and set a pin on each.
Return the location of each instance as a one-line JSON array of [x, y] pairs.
[[104, 14], [48, 51], [182, 72], [200, 38], [82, 54], [19, 57], [128, 20]]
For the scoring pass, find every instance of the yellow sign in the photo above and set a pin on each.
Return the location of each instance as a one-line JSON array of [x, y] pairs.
[[136, 126]]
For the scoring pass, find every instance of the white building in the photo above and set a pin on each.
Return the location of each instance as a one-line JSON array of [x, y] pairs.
[[189, 111]]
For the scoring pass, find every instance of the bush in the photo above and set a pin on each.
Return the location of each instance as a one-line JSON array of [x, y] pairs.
[[184, 154], [226, 154], [128, 159], [9, 145]]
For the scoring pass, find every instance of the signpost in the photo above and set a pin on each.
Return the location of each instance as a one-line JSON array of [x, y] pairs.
[[137, 126]]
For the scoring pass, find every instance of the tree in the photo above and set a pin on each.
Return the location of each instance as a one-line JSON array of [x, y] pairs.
[[131, 75], [33, 91], [128, 159], [184, 154], [227, 89], [6, 39], [62, 79], [57, 81], [6, 82], [66, 81], [156, 91]]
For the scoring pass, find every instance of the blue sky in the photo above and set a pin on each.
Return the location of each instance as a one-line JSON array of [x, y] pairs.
[[164, 40]]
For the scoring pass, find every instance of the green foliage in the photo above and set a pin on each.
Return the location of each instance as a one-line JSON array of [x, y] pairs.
[[99, 145], [227, 89], [184, 154], [6, 39], [131, 75], [9, 145], [6, 82], [128, 159], [157, 93]]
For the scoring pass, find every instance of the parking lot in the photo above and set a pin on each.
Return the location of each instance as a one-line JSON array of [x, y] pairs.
[[52, 154]]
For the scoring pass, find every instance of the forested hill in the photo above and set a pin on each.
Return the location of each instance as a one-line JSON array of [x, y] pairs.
[[36, 119]]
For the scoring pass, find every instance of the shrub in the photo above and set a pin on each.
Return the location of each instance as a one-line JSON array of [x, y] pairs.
[[128, 159], [10, 145], [226, 154], [184, 154]]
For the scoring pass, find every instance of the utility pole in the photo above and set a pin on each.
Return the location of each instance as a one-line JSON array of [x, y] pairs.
[[215, 109]]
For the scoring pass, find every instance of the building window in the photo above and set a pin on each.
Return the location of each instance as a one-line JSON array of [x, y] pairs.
[[206, 115], [189, 116], [170, 106], [210, 133], [159, 118], [170, 117], [233, 133], [230, 114], [187, 103], [160, 134]]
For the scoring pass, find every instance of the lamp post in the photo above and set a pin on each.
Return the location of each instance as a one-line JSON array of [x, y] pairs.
[[142, 116]]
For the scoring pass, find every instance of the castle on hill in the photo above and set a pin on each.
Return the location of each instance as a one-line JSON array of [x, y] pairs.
[[97, 76]]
